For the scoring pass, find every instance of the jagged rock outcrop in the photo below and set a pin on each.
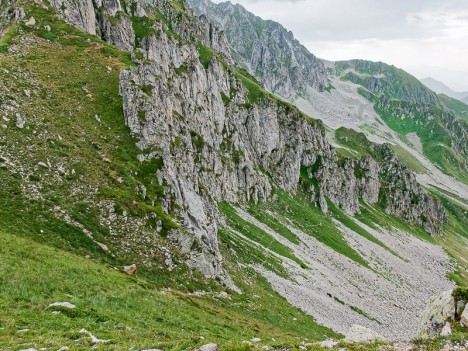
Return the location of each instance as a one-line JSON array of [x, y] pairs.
[[80, 13], [405, 198], [266, 49], [218, 143]]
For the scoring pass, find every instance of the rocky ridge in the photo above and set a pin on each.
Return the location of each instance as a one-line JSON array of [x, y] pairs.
[[266, 49], [219, 144], [394, 93]]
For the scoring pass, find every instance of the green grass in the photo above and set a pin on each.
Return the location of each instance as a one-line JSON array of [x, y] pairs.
[[256, 234], [255, 91], [205, 54], [310, 219], [409, 160], [458, 107], [128, 310]]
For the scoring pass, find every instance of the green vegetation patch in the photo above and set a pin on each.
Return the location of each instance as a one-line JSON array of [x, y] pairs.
[[309, 218], [256, 234]]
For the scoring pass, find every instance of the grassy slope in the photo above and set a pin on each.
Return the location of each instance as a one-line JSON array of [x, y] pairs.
[[457, 106], [130, 311], [401, 90], [67, 93]]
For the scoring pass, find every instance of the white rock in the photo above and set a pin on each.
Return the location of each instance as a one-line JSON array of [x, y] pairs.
[[438, 311], [328, 344], [94, 340], [43, 164], [358, 334], [255, 340], [209, 347], [446, 330], [47, 28], [65, 348], [31, 22], [62, 304], [464, 317], [131, 270]]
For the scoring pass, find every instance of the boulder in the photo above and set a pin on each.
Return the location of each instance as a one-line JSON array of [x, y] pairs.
[[360, 334], [438, 312], [464, 318], [209, 347], [446, 330], [131, 270], [62, 304], [328, 344], [31, 22]]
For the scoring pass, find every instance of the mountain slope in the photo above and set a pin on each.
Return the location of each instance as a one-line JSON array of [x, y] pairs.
[[408, 107], [441, 88], [172, 158], [443, 141], [266, 49]]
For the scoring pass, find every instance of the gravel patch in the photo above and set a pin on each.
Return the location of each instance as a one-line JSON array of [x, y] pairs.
[[388, 297]]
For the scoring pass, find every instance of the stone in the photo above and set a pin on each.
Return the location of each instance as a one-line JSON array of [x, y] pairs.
[[464, 317], [131, 270], [62, 304], [437, 313], [47, 28], [360, 334], [328, 344], [42, 164], [31, 22], [255, 340], [209, 347], [94, 340], [446, 330]]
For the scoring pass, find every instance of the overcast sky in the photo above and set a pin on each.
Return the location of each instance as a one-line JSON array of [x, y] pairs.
[[424, 37]]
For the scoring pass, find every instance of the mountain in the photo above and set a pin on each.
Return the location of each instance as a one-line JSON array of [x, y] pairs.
[[266, 49], [441, 141], [441, 88], [157, 187]]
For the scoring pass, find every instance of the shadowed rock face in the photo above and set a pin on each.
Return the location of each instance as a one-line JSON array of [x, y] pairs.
[[217, 144]]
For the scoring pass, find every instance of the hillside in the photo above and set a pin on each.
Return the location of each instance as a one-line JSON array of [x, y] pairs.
[[439, 144], [129, 136], [441, 88]]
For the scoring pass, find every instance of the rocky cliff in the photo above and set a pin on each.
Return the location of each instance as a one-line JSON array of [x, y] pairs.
[[266, 49], [220, 136]]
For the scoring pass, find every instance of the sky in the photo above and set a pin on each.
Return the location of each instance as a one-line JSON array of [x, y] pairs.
[[427, 38]]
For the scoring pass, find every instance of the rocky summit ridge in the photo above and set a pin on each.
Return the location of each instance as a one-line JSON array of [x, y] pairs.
[[220, 150]]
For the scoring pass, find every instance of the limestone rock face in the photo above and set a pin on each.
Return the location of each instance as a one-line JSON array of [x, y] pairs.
[[266, 49], [218, 143], [80, 13], [438, 312], [464, 318], [406, 199]]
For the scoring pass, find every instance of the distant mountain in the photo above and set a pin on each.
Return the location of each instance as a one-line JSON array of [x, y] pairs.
[[441, 88], [328, 90], [266, 49]]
